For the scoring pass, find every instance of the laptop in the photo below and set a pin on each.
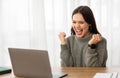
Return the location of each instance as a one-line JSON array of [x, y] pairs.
[[31, 63]]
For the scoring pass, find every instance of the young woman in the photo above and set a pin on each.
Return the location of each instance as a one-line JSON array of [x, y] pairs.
[[85, 47]]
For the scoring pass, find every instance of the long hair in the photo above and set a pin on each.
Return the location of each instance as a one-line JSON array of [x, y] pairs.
[[89, 18]]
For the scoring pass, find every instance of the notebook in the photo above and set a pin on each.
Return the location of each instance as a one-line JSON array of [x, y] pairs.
[[4, 70], [31, 63], [107, 75]]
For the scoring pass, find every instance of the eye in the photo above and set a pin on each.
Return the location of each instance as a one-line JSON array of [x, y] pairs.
[[81, 22]]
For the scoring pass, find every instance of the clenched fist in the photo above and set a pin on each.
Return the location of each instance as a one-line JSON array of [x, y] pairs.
[[62, 36], [95, 39]]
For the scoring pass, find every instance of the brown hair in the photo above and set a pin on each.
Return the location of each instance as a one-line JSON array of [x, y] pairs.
[[89, 18]]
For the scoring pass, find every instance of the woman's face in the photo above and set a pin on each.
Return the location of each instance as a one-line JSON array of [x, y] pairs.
[[80, 26]]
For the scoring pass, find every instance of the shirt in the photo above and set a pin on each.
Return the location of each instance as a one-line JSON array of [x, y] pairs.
[[77, 53]]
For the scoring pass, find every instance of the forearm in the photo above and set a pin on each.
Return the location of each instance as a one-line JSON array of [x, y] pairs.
[[97, 56], [91, 59], [66, 59], [94, 58]]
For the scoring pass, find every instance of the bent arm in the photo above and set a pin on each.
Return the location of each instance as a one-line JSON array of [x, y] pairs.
[[66, 55], [96, 57]]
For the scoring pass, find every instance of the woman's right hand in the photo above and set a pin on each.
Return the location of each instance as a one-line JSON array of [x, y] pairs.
[[62, 36]]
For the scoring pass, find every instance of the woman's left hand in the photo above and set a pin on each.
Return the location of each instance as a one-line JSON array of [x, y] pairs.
[[95, 39]]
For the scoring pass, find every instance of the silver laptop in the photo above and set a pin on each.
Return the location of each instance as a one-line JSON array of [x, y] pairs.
[[30, 63]]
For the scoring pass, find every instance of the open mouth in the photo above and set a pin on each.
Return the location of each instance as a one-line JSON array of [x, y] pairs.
[[79, 31]]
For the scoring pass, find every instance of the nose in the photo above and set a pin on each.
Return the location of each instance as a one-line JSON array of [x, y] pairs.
[[77, 25]]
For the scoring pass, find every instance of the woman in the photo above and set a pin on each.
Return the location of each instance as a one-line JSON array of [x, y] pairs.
[[85, 47]]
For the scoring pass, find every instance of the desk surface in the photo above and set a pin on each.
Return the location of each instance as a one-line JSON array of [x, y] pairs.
[[87, 72], [79, 72]]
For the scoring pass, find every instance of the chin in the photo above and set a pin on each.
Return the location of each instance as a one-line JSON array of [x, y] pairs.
[[81, 36]]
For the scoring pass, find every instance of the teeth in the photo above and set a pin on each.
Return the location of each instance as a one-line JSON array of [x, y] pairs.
[[79, 30]]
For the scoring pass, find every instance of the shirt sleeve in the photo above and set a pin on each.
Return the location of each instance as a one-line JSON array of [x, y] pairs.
[[96, 57], [66, 57]]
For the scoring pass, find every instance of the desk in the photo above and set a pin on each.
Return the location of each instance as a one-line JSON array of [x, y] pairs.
[[87, 72], [78, 72]]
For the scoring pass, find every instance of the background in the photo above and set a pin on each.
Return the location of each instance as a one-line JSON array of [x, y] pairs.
[[36, 24]]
